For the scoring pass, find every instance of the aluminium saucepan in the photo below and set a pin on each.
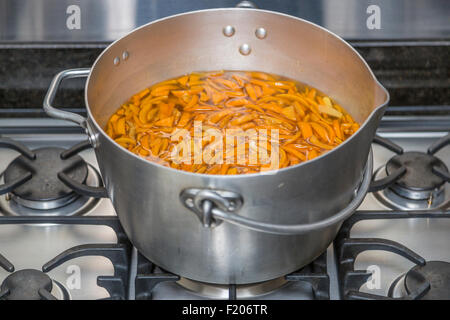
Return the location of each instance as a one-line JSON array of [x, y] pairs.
[[242, 228]]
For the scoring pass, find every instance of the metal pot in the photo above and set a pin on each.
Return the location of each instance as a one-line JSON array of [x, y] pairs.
[[243, 228]]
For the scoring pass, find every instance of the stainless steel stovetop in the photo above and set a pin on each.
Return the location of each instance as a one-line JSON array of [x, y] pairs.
[[30, 246]]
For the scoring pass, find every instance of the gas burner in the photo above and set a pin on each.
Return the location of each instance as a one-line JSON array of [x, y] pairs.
[[419, 180], [243, 291], [437, 199], [412, 180], [312, 281], [50, 181], [79, 206], [30, 284], [436, 273], [45, 190], [417, 187]]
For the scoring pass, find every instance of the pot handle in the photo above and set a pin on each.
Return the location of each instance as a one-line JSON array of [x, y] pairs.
[[214, 206], [65, 115], [51, 93]]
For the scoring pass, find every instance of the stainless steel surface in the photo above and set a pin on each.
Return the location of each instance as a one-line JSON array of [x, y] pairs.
[[145, 194], [30, 246], [107, 20], [59, 291]]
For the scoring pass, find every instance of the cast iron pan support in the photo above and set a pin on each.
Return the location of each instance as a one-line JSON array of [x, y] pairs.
[[4, 293], [118, 253], [8, 266], [354, 279], [80, 188], [398, 173], [147, 279], [316, 275], [394, 176], [439, 144], [435, 147], [17, 146], [347, 249]]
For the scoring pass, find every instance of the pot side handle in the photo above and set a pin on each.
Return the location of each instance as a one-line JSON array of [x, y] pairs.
[[51, 93], [212, 207]]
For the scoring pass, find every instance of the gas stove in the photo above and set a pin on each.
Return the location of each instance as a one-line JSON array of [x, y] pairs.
[[60, 237]]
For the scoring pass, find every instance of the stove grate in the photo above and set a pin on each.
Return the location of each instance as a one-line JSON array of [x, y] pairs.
[[147, 279], [65, 175], [347, 250], [118, 253]]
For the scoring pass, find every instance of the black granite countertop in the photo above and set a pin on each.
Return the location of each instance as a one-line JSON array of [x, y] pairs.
[[416, 75]]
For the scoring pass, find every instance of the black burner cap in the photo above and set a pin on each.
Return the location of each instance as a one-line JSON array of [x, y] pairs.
[[419, 175], [25, 285], [45, 184], [437, 273]]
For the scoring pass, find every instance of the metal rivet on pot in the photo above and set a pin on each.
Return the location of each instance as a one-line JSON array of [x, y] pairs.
[[261, 33], [125, 55], [116, 61], [189, 202], [228, 31], [245, 49]]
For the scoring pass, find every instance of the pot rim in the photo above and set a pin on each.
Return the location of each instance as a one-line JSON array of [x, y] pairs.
[[236, 176]]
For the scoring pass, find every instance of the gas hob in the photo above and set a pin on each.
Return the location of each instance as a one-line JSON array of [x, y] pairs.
[[65, 238]]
